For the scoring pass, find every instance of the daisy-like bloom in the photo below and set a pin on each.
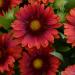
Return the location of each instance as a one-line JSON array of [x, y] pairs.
[[47, 1], [41, 1], [7, 4], [39, 62], [35, 26], [69, 70], [69, 28], [9, 52], [34, 1]]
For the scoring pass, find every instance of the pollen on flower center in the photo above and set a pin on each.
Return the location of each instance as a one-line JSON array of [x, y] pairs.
[[37, 63], [1, 3], [35, 25]]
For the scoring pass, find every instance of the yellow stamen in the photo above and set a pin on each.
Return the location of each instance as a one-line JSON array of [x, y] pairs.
[[35, 25], [38, 63]]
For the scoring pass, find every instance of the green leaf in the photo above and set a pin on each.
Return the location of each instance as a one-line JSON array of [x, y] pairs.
[[16, 9], [57, 54], [5, 22], [59, 73], [70, 4], [8, 18], [64, 48], [62, 15], [59, 4], [62, 35], [11, 13]]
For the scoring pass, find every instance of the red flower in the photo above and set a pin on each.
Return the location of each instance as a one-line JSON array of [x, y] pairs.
[[40, 1], [69, 30], [47, 1], [36, 26], [7, 4], [34, 1], [69, 70], [9, 51], [39, 62]]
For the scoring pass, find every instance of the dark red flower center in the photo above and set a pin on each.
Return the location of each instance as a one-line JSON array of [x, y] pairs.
[[3, 54], [36, 27], [40, 64]]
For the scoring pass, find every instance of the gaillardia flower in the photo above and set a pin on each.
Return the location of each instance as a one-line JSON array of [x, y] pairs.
[[40, 1], [34, 1], [39, 62], [36, 26], [9, 52], [47, 1], [7, 4], [69, 70], [69, 27]]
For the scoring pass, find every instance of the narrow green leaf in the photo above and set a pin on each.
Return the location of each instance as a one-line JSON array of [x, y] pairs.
[[57, 54], [59, 73], [64, 48], [8, 17], [16, 9], [62, 16], [11, 13], [62, 35]]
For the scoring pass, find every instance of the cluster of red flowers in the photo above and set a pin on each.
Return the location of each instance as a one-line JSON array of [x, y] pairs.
[[69, 27], [33, 33]]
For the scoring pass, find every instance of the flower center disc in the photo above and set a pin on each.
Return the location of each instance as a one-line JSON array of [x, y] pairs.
[[35, 25], [1, 3], [37, 63]]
